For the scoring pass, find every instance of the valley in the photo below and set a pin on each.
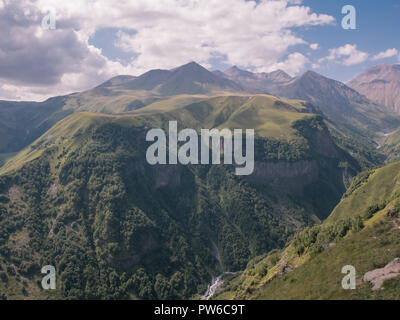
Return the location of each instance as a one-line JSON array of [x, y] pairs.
[[77, 192]]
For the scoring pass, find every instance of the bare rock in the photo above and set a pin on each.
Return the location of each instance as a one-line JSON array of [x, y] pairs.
[[378, 276], [14, 194], [328, 246]]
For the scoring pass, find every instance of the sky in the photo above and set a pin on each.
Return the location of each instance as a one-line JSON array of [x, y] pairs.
[[92, 41]]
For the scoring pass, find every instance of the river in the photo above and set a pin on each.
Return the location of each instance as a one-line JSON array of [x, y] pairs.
[[216, 283]]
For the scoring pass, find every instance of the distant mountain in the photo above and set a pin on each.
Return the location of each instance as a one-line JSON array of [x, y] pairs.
[[258, 82], [147, 81], [194, 79], [237, 73], [218, 73], [341, 104], [345, 108], [116, 81], [380, 84], [190, 78]]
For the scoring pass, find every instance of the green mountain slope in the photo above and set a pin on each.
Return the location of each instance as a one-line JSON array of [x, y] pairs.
[[362, 231], [23, 122], [389, 145], [83, 198]]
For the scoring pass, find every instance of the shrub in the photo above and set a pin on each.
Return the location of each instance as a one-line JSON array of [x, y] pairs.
[[3, 276]]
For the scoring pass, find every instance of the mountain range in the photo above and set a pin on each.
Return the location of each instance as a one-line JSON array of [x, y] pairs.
[[76, 191], [257, 82]]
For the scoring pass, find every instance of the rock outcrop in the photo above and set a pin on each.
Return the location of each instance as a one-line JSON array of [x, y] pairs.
[[378, 276]]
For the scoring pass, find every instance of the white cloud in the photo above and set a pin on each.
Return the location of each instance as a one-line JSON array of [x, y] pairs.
[[250, 36], [389, 53], [294, 63], [167, 33], [314, 46], [36, 63], [315, 66], [347, 55]]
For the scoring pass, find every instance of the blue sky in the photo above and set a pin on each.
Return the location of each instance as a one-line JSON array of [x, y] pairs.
[[96, 40], [377, 25]]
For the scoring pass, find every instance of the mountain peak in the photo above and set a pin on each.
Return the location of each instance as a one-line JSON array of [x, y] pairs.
[[234, 68], [311, 74], [235, 71], [218, 73], [313, 79], [192, 78], [279, 71], [316, 77], [279, 75], [191, 66]]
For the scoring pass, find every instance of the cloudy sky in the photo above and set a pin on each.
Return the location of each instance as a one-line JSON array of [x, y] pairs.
[[95, 40]]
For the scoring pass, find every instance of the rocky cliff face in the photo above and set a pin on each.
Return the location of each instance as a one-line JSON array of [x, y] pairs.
[[293, 177], [316, 171]]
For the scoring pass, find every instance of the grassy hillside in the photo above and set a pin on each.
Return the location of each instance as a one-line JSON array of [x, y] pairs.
[[363, 231], [5, 156], [83, 198], [371, 188], [390, 146], [23, 122], [320, 276]]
